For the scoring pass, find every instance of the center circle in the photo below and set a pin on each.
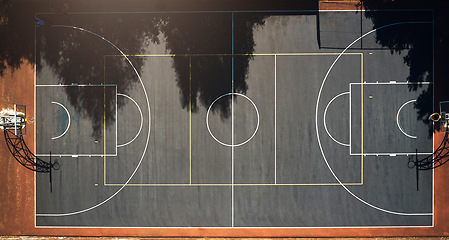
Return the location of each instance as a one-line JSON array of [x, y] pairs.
[[232, 144]]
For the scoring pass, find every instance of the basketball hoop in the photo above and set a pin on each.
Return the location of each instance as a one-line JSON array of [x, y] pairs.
[[29, 120], [435, 117]]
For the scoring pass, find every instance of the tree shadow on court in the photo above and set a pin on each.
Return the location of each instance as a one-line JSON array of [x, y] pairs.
[[78, 57], [17, 37], [417, 40], [201, 44], [205, 72], [208, 70]]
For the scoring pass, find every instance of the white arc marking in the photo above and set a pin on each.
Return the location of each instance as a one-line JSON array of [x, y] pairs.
[[324, 119], [141, 120], [232, 144], [397, 119], [68, 125]]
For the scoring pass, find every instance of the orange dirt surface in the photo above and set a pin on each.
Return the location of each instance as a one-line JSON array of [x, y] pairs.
[[339, 5], [17, 188]]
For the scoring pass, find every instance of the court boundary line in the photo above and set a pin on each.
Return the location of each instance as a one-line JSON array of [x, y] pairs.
[[433, 110], [234, 11], [227, 227], [35, 98], [226, 184], [231, 54], [271, 227], [391, 154], [232, 129], [275, 118]]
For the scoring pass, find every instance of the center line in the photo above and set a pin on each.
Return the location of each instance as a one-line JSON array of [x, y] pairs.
[[232, 128]]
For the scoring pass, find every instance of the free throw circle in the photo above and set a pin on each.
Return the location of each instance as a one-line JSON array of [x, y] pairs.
[[234, 144]]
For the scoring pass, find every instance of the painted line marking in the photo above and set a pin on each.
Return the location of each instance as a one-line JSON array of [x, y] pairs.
[[141, 119], [361, 86], [199, 11], [226, 184], [231, 54], [275, 119], [386, 154], [324, 119], [104, 123], [80, 85], [398, 122], [190, 120], [80, 155], [232, 100], [68, 124], [388, 83], [232, 128]]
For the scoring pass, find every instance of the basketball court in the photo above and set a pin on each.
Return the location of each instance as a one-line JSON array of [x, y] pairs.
[[284, 119]]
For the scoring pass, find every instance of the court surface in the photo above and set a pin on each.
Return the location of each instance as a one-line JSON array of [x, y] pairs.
[[234, 119]]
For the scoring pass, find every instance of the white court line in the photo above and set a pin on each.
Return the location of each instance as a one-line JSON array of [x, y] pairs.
[[232, 129], [68, 125], [350, 119], [397, 119], [318, 135], [232, 144], [141, 119], [389, 83], [147, 140], [35, 98], [77, 154], [76, 85], [324, 119], [389, 154]]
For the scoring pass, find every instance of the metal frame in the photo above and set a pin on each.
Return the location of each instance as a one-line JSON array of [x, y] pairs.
[[18, 133], [21, 152]]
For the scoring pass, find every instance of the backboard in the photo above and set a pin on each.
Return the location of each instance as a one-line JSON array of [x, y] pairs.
[[14, 119], [444, 112]]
